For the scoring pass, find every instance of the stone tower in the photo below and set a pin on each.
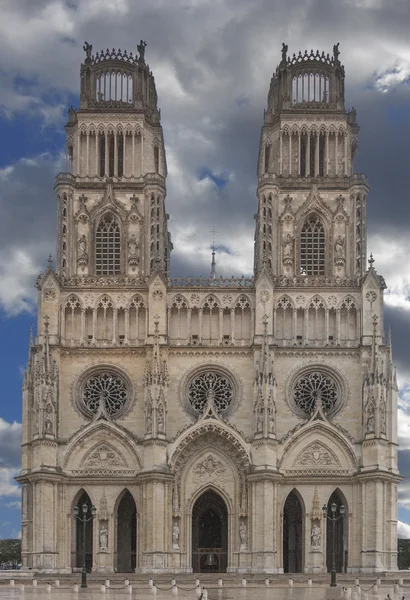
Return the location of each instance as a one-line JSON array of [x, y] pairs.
[[208, 420]]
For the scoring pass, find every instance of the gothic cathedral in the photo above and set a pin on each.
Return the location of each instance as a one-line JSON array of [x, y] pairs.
[[210, 424]]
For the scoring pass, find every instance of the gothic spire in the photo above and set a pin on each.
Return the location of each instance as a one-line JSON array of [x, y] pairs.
[[47, 356], [213, 263]]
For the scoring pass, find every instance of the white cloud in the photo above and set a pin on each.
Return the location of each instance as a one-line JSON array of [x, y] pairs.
[[403, 530], [8, 487], [16, 504]]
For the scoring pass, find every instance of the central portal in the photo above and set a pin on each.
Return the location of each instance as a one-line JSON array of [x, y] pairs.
[[209, 534]]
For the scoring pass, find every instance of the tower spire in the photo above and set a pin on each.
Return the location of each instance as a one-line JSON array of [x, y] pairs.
[[213, 263]]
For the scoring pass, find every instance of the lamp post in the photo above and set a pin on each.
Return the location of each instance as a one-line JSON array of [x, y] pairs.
[[84, 520], [333, 520]]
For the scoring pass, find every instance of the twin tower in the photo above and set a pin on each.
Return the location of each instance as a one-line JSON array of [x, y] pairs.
[[214, 424]]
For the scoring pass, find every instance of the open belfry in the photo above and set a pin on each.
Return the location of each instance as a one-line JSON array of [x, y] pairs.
[[216, 425]]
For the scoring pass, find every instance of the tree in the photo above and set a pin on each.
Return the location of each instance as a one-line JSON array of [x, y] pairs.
[[10, 554], [403, 549]]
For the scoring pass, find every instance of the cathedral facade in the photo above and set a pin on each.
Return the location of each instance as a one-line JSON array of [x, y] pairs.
[[214, 425]]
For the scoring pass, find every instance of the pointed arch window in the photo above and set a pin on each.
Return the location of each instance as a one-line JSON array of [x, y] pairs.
[[108, 246], [312, 246]]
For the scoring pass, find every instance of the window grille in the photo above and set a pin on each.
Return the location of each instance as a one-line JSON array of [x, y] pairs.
[[108, 246], [312, 247]]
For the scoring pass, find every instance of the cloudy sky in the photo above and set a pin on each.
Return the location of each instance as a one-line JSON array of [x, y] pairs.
[[212, 61]]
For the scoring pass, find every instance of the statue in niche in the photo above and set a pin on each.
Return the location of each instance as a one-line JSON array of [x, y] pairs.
[[88, 48], [133, 246], [82, 246], [141, 49], [340, 247], [383, 421], [103, 538], [243, 534], [288, 247], [370, 423], [49, 425], [149, 419], [160, 419], [175, 535], [259, 419], [271, 419], [315, 536]]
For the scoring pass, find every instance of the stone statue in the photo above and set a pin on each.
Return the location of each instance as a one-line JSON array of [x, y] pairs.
[[175, 535], [88, 48], [284, 51], [82, 246], [383, 421], [288, 246], [149, 420], [336, 51], [339, 247], [49, 425], [160, 419], [243, 534], [132, 246], [259, 419], [141, 49], [315, 536], [370, 423], [271, 419], [103, 538]]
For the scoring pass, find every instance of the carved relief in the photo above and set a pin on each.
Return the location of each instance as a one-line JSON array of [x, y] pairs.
[[316, 455], [103, 456], [209, 468]]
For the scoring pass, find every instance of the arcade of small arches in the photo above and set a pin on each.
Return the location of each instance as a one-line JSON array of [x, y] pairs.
[[312, 151], [299, 321], [107, 150], [214, 321], [115, 533]]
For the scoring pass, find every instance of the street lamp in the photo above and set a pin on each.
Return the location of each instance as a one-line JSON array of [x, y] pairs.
[[333, 519], [84, 520]]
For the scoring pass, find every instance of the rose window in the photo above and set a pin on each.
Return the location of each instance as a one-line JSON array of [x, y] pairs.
[[108, 389], [210, 386], [316, 387]]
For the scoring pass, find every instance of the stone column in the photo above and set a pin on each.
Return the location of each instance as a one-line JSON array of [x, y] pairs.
[[307, 162], [290, 153], [327, 152], [97, 154], [107, 155], [87, 160], [115, 154]]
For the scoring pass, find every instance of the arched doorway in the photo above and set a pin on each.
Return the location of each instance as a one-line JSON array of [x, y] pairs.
[[340, 535], [209, 534], [292, 534], [126, 534], [82, 530]]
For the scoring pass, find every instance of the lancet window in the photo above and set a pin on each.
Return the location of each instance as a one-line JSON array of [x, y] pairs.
[[108, 246], [312, 246], [72, 319], [348, 319]]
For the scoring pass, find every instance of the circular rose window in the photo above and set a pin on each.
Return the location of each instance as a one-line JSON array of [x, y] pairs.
[[210, 386], [106, 389], [313, 387]]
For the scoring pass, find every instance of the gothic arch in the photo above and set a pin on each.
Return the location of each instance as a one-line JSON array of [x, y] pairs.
[[177, 298], [211, 301], [293, 530], [327, 437], [206, 434], [95, 435]]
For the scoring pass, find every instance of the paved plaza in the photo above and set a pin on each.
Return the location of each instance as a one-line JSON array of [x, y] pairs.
[[164, 591]]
